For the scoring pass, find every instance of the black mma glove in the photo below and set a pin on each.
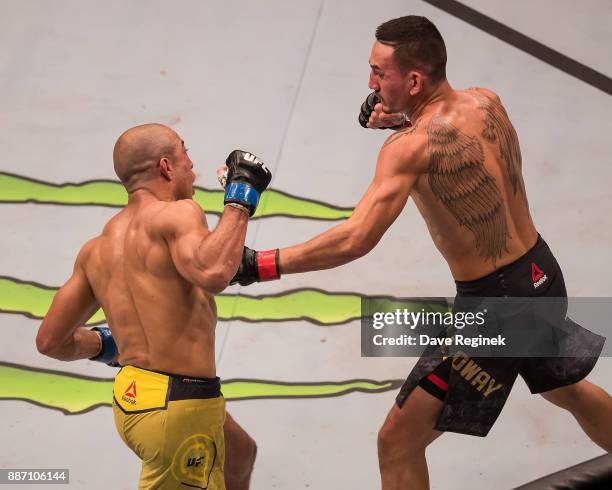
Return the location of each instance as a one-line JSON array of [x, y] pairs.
[[257, 267], [366, 109], [247, 178]]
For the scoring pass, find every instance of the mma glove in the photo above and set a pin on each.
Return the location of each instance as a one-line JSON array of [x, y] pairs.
[[257, 267], [368, 107], [247, 177], [108, 349]]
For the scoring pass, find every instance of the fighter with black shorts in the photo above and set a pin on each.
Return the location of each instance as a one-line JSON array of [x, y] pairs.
[[456, 153], [475, 389]]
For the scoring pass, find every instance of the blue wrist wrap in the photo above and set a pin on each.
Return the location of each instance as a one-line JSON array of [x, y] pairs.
[[242, 193], [109, 350]]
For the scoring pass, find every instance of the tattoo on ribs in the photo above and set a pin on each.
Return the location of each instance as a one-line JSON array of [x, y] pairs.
[[457, 176], [499, 131]]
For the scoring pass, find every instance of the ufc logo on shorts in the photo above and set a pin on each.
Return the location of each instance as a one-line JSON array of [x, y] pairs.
[[195, 461]]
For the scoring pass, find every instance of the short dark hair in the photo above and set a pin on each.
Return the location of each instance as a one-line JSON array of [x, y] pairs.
[[417, 43]]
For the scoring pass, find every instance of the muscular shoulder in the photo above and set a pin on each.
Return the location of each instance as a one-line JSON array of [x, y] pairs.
[[177, 217], [87, 251], [405, 149], [484, 94]]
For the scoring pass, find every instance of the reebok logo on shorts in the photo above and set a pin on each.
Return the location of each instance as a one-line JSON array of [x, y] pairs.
[[538, 275], [129, 395]]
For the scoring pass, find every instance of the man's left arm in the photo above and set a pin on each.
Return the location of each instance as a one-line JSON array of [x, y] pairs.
[[59, 335]]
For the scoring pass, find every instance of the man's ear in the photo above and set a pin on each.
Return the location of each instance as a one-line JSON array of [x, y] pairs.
[[165, 167], [416, 81]]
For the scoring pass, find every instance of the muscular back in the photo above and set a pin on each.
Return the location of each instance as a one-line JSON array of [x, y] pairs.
[[470, 190], [159, 320]]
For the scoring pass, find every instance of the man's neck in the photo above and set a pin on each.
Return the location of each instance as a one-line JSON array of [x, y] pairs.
[[442, 92], [147, 193]]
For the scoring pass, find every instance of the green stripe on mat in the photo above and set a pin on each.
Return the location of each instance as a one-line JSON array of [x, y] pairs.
[[73, 394], [18, 189]]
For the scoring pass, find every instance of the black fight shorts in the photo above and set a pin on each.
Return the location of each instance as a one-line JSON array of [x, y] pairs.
[[474, 389]]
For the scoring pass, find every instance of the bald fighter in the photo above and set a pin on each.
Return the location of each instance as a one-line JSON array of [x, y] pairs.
[[154, 270], [460, 160]]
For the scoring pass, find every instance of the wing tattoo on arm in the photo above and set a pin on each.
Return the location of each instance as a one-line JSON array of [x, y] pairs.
[[457, 176]]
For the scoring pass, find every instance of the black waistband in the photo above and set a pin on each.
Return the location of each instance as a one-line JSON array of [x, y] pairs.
[[184, 388], [506, 270]]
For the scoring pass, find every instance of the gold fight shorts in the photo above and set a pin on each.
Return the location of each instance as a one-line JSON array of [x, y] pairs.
[[174, 424]]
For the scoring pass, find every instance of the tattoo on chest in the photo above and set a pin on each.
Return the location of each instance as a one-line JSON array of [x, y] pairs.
[[457, 176], [499, 132]]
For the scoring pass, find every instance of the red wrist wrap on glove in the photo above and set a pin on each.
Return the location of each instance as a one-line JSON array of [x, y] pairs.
[[267, 265]]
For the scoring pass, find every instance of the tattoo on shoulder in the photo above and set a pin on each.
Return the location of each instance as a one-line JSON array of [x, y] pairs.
[[457, 176], [498, 131], [401, 133]]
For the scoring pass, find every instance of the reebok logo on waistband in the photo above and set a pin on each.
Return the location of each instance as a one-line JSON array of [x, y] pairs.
[[538, 275], [129, 395]]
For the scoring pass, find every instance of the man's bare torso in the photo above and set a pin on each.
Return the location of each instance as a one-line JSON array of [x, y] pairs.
[[470, 188], [160, 321]]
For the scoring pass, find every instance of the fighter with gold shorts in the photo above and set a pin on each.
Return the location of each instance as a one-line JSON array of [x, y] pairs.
[[175, 426], [154, 271]]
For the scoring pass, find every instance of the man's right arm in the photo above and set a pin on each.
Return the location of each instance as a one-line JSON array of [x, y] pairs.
[[400, 163], [210, 260], [207, 259]]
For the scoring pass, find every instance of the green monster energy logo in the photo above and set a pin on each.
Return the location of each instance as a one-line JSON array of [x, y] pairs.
[[18, 189], [312, 305], [74, 394]]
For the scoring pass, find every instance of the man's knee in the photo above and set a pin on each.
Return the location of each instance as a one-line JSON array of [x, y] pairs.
[[389, 444], [401, 435], [240, 460], [410, 429], [250, 454], [240, 453]]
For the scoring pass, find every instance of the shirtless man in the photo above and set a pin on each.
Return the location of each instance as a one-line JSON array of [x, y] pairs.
[[460, 161], [154, 270]]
